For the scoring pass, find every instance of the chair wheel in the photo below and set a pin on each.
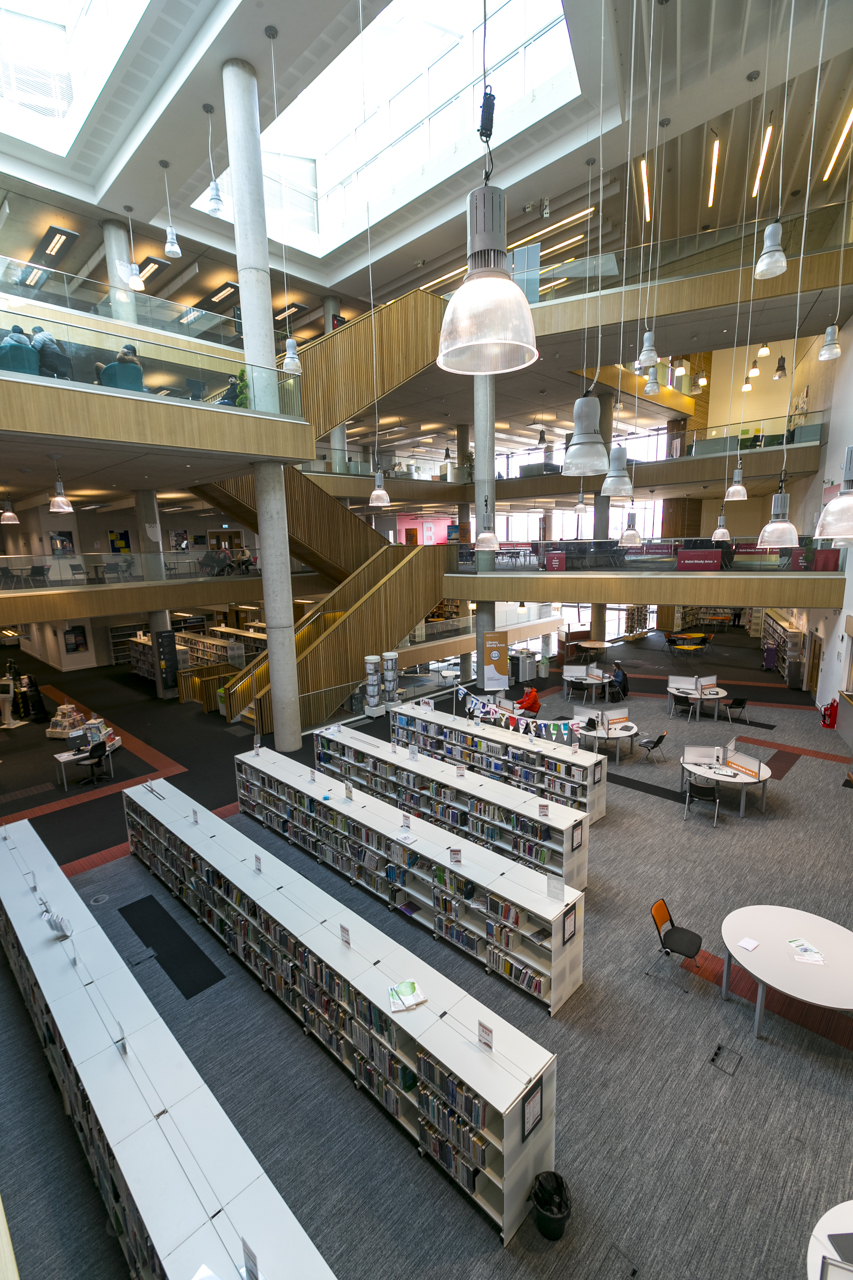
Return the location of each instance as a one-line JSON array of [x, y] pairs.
[[667, 953], [305, 1031], [488, 970]]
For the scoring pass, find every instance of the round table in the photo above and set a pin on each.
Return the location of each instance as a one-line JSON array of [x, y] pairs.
[[601, 683], [707, 695], [836, 1221], [772, 963], [617, 734], [708, 772]]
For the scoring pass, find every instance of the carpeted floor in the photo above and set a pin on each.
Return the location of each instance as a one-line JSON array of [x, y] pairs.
[[692, 1149]]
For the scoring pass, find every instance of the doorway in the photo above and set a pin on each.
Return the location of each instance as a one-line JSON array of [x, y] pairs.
[[224, 539], [815, 655]]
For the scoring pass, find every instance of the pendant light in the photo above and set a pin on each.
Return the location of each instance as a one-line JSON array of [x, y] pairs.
[[779, 532], [379, 497], [736, 491], [754, 371], [763, 350], [586, 454], [617, 482], [447, 453], [648, 355], [680, 369], [8, 516], [59, 504], [630, 536], [292, 364], [522, 609], [772, 261], [652, 387], [721, 533], [214, 195], [781, 371], [580, 506], [695, 385], [836, 519], [134, 279], [486, 541], [747, 386], [703, 378], [541, 442], [172, 249], [831, 348]]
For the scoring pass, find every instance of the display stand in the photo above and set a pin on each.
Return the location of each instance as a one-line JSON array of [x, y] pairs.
[[548, 769], [180, 1186], [492, 813], [485, 1114]]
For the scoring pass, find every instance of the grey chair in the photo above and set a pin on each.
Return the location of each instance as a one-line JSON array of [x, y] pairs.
[[37, 575], [9, 581], [94, 761], [653, 744], [680, 702], [736, 704], [707, 794], [78, 573]]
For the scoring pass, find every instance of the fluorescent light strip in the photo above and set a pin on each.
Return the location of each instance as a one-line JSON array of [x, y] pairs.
[[552, 284], [714, 159], [768, 132], [645, 180], [59, 240], [33, 277], [223, 293], [840, 144], [548, 231], [563, 245], [441, 279], [149, 270]]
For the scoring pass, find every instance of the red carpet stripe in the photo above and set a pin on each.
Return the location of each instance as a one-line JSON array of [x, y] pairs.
[[797, 751], [97, 859]]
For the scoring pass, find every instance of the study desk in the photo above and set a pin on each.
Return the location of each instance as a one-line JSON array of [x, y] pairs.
[[66, 757], [706, 695], [772, 963], [711, 773], [617, 734], [837, 1221], [601, 683]]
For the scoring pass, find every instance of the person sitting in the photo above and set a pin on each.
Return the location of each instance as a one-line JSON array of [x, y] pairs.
[[15, 337], [229, 396], [530, 703], [53, 362], [619, 682], [128, 355]]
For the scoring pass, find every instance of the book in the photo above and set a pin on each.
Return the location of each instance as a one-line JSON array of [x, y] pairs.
[[406, 995]]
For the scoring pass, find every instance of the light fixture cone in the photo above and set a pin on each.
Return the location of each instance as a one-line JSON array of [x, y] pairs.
[[630, 536], [836, 519], [747, 386], [214, 199], [447, 453], [763, 350], [379, 497], [781, 371], [736, 491], [703, 378], [754, 371], [721, 533], [134, 280], [648, 355], [486, 541], [652, 387], [8, 516], [779, 532], [542, 441], [586, 455], [831, 348], [772, 261], [172, 248], [292, 363], [679, 371], [617, 482], [695, 387]]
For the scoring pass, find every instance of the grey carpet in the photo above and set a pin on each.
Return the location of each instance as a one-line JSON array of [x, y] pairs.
[[678, 1167]]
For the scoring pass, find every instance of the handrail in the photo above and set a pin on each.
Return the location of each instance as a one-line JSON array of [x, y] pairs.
[[8, 1265]]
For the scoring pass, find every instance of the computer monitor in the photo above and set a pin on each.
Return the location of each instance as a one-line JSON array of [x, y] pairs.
[[834, 1269], [7, 687]]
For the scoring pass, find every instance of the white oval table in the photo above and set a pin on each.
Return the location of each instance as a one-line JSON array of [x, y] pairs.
[[618, 734], [602, 684], [712, 773], [772, 964], [837, 1221], [707, 695]]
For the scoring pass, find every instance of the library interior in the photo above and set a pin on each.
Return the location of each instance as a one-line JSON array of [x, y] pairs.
[[509, 347]]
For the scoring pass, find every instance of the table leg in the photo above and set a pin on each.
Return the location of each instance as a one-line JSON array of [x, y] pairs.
[[742, 800], [727, 974], [617, 753], [759, 1008], [110, 758], [682, 777], [763, 795], [716, 707]]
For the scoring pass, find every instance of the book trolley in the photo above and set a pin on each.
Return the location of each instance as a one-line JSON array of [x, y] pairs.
[[484, 1114], [181, 1188], [489, 812], [551, 770], [522, 924]]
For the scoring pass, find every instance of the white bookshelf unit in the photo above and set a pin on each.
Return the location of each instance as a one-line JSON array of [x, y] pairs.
[[788, 639], [548, 769], [207, 651], [142, 657], [250, 640], [180, 1186], [485, 1115], [522, 924], [486, 811]]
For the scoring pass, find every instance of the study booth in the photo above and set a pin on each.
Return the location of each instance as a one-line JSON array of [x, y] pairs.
[[699, 689], [604, 727], [586, 678], [726, 765]]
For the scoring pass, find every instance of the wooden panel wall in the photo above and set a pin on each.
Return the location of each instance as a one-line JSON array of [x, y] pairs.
[[682, 518]]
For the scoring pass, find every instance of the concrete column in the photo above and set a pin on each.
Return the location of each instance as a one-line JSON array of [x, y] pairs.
[[466, 660], [549, 526], [463, 446], [242, 125], [117, 247], [545, 612], [278, 604], [148, 524], [331, 307], [338, 449], [485, 622], [598, 621], [484, 460]]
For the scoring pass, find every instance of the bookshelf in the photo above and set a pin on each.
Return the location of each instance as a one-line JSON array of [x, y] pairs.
[[142, 657], [179, 1184], [251, 641], [788, 639], [547, 769], [489, 812], [208, 651], [510, 917], [471, 1109], [120, 638], [753, 621]]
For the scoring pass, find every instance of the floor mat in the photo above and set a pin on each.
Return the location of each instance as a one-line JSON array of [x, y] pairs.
[[650, 789], [179, 957]]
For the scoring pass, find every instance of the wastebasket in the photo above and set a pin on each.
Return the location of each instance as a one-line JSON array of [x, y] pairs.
[[544, 668], [552, 1202]]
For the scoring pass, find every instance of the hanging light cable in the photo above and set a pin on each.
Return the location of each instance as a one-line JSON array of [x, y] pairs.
[[773, 261], [630, 178], [600, 189], [648, 356], [291, 365], [214, 195], [172, 249], [831, 348], [59, 504], [134, 279]]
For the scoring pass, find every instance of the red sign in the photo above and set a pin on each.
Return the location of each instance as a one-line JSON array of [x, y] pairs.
[[827, 560], [555, 561], [699, 561]]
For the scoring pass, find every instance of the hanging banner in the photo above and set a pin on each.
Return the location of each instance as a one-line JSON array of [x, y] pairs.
[[495, 660]]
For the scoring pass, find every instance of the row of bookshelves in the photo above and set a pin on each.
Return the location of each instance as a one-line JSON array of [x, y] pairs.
[[251, 641], [206, 651], [551, 770], [787, 639], [474, 1093], [462, 892], [142, 657], [181, 1189], [489, 812]]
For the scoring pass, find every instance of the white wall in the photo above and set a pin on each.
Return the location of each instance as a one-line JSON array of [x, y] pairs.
[[46, 643]]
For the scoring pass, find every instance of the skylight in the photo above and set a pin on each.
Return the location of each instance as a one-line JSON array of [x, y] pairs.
[[55, 58], [386, 123]]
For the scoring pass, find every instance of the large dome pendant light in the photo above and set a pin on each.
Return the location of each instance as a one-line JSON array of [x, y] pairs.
[[736, 491], [292, 364], [8, 516], [721, 533], [836, 519], [772, 261], [630, 536], [586, 454], [648, 355], [617, 482], [379, 497], [172, 249], [486, 539], [779, 532]]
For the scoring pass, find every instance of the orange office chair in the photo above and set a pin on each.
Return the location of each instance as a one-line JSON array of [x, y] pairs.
[[684, 942]]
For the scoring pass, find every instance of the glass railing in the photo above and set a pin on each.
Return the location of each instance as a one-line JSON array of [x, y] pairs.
[[766, 433], [82, 355], [37, 573], [395, 466], [23, 282], [662, 555]]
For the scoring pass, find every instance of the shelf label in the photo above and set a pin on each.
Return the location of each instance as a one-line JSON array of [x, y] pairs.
[[258, 863], [460, 771], [393, 748], [257, 744], [348, 790], [407, 822], [574, 748], [543, 810], [486, 1036], [555, 888], [195, 816], [250, 1260], [313, 776], [428, 703], [345, 936], [413, 753], [455, 855]]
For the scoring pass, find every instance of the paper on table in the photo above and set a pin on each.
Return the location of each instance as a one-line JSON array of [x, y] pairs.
[[748, 944], [406, 995], [803, 948], [813, 959]]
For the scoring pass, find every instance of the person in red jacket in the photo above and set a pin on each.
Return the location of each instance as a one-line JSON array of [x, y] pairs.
[[530, 703]]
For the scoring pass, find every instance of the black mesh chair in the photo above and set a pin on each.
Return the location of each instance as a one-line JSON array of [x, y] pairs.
[[684, 942], [681, 702], [37, 575], [653, 744], [707, 794], [579, 687], [94, 762], [736, 704]]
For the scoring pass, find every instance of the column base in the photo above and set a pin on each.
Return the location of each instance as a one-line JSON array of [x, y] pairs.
[[373, 712]]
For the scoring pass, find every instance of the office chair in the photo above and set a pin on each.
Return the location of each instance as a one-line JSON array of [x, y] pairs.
[[653, 744], [78, 573], [579, 687], [37, 575], [681, 702], [696, 791], [684, 942], [736, 704], [94, 761]]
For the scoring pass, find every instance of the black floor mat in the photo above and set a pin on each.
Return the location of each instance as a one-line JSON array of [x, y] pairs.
[[178, 956], [635, 784]]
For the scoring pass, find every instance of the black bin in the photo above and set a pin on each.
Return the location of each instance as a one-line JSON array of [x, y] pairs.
[[552, 1202]]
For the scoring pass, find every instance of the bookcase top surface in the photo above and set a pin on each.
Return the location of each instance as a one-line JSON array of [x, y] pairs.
[[496, 734]]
